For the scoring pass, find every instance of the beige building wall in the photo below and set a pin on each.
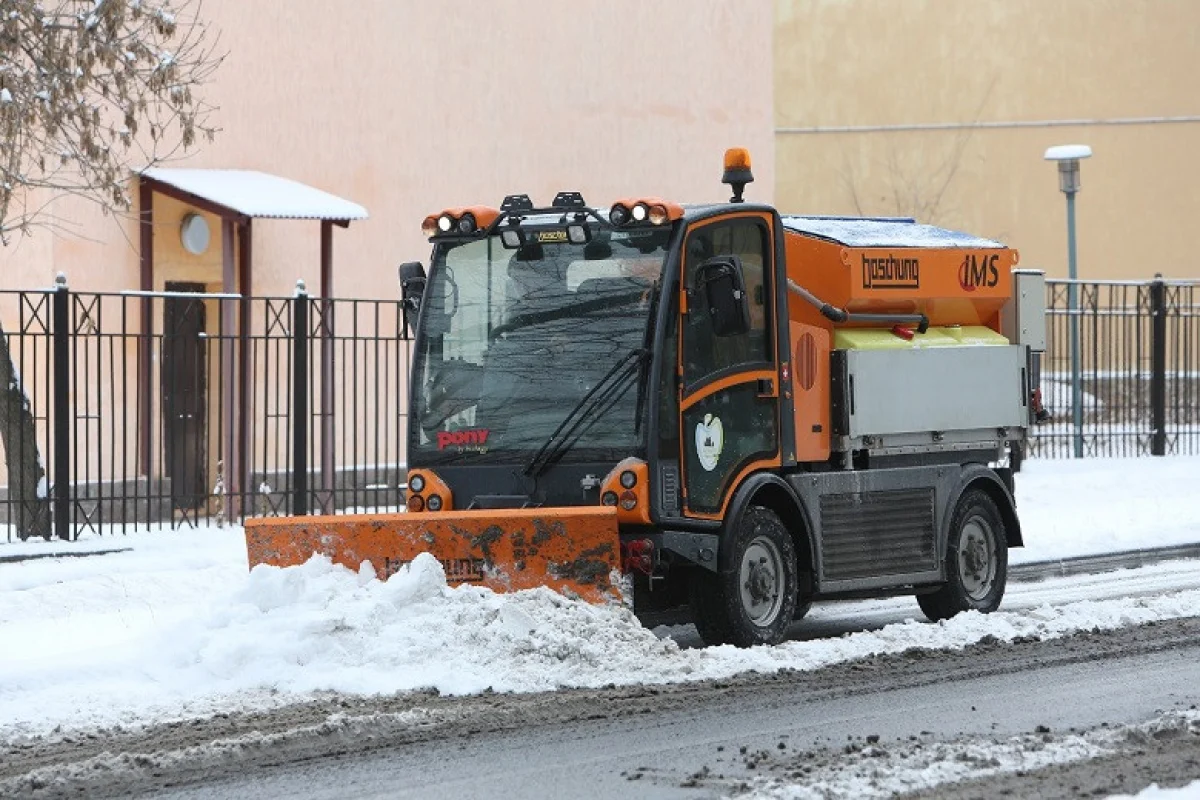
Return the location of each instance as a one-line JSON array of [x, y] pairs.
[[407, 108], [1001, 80], [410, 107]]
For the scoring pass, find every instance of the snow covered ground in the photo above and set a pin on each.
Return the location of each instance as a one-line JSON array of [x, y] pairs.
[[175, 626]]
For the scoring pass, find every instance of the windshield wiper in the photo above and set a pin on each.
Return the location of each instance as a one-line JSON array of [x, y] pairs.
[[607, 391], [602, 303]]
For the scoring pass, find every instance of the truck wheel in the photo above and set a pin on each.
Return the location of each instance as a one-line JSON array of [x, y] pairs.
[[752, 598], [976, 560]]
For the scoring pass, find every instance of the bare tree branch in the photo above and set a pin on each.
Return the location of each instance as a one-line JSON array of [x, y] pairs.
[[92, 88], [88, 90]]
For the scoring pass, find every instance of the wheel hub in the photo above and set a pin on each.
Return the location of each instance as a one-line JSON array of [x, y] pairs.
[[976, 559], [761, 583], [761, 576], [975, 556]]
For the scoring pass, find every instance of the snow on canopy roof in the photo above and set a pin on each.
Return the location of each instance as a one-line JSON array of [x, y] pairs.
[[258, 194], [883, 232]]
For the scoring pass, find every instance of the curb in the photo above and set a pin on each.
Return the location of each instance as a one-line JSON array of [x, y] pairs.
[[61, 554], [1105, 562]]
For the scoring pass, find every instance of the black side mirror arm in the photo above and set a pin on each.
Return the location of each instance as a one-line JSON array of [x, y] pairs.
[[412, 289]]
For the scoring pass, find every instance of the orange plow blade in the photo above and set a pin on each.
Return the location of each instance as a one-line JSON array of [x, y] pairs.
[[574, 551]]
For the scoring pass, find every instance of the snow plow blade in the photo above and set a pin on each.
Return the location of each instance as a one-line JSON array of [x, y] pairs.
[[574, 551]]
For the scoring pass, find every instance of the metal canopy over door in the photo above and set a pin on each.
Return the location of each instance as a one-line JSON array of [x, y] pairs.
[[184, 396], [729, 395]]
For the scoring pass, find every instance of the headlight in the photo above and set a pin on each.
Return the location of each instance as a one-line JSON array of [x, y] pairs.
[[445, 223], [609, 499], [435, 502], [619, 215], [466, 223], [640, 212]]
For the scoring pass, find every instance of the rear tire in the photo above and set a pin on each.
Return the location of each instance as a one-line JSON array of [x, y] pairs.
[[751, 599], [976, 560]]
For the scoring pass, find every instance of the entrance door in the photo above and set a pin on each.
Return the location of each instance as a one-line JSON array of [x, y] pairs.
[[729, 398], [184, 395]]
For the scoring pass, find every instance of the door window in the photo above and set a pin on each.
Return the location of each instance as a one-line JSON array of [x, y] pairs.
[[707, 355]]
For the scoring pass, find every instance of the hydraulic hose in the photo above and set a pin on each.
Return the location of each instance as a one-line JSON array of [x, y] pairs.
[[836, 314]]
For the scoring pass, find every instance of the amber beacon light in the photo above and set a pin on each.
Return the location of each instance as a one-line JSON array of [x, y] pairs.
[[737, 171]]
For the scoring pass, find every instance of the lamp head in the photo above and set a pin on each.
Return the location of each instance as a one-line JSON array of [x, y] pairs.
[[1068, 157]]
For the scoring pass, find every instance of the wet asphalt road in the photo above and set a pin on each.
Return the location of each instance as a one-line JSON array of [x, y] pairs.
[[650, 750]]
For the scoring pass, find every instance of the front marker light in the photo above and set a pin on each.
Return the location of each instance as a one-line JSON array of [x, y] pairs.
[[429, 227], [619, 215], [658, 215], [416, 483], [609, 498], [466, 223], [628, 479]]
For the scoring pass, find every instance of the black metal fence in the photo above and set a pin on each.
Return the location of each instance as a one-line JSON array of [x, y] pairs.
[[1138, 372], [138, 409]]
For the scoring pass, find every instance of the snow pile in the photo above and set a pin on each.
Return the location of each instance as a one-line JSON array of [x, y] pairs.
[[278, 635], [877, 770], [320, 626]]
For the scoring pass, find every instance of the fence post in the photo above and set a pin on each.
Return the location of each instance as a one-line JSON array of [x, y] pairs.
[[1158, 366], [300, 389], [62, 407]]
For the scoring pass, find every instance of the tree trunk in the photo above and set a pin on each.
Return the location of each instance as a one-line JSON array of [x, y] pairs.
[[29, 500]]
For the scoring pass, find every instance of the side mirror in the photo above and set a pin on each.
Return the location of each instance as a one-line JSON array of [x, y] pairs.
[[725, 294], [412, 289]]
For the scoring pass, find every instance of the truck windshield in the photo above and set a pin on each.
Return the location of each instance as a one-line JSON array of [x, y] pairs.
[[513, 340]]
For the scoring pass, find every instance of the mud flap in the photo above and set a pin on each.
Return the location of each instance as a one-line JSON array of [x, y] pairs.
[[574, 551]]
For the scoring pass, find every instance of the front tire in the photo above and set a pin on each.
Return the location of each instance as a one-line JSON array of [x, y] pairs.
[[751, 600], [976, 560]]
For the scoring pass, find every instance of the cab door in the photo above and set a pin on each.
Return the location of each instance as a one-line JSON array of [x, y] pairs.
[[729, 388]]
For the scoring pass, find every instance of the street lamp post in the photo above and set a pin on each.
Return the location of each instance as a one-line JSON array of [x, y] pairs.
[[1068, 157]]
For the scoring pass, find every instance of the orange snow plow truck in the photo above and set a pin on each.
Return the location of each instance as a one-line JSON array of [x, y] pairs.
[[713, 407]]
